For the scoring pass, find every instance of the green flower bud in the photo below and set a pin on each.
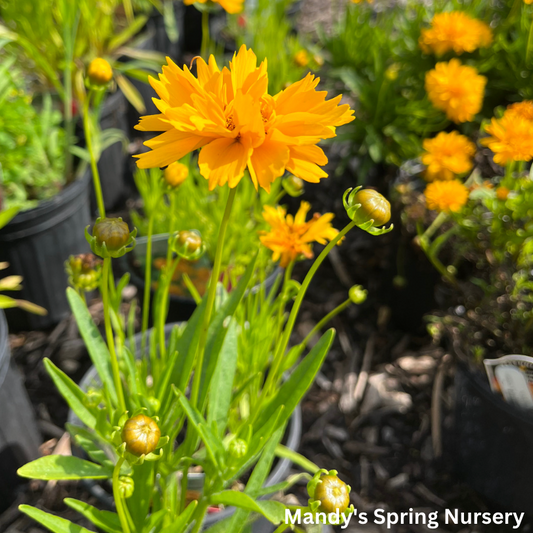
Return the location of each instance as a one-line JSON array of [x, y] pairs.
[[189, 245], [126, 486], [111, 237], [293, 186], [332, 493], [357, 294], [238, 448], [84, 271], [368, 209], [141, 435]]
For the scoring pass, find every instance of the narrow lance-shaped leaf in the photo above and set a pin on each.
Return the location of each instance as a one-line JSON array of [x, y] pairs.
[[105, 520], [180, 524], [294, 389], [52, 522], [63, 467], [222, 382], [96, 346], [73, 395]]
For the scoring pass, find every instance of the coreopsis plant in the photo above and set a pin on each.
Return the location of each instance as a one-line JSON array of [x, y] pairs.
[[215, 393], [475, 226]]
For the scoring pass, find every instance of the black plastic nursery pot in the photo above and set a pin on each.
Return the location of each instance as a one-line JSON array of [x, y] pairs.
[[112, 163], [19, 436], [280, 470], [36, 243], [180, 308], [492, 442]]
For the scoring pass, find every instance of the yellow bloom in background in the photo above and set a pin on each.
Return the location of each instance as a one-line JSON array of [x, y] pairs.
[[229, 114], [446, 195], [523, 109], [301, 58], [176, 173], [362, 1], [455, 31], [231, 6], [291, 237], [511, 139], [456, 89], [502, 193], [447, 155]]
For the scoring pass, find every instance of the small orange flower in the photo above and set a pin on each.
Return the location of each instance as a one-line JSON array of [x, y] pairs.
[[511, 139], [447, 155], [456, 89], [176, 173], [455, 31], [448, 196], [291, 237], [230, 6], [301, 58], [502, 193], [523, 109]]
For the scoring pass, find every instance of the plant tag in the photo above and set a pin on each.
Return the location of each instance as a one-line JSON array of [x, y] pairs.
[[512, 377]]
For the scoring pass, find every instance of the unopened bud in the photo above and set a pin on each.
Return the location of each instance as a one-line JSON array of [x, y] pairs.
[[141, 435], [189, 245], [99, 72]]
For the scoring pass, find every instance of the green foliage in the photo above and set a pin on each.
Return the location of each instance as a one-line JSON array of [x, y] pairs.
[[32, 157]]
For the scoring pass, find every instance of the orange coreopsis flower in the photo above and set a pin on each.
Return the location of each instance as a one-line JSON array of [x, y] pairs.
[[291, 237], [456, 89], [447, 155], [511, 139], [523, 109], [455, 31], [446, 195], [231, 6], [229, 114]]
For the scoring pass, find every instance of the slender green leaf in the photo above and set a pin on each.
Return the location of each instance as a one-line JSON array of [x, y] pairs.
[[294, 389], [73, 395], [180, 524], [96, 346], [222, 382], [7, 215], [105, 520], [90, 443], [63, 467], [52, 522], [131, 93], [271, 510]]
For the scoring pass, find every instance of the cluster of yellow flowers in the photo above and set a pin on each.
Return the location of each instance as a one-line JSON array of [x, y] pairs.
[[455, 31], [229, 114], [511, 136]]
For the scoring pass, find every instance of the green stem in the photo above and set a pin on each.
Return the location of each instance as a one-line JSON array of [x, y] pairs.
[[205, 34], [282, 347], [147, 280], [94, 166], [434, 226], [109, 334], [171, 268], [119, 502], [326, 319], [286, 453], [200, 515], [183, 487], [215, 274], [529, 48]]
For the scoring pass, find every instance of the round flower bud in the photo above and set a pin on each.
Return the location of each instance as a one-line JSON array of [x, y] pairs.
[[293, 186], [126, 486], [502, 193], [238, 448], [357, 294], [333, 494], [176, 173], [374, 206], [99, 72], [189, 244], [112, 232], [141, 435]]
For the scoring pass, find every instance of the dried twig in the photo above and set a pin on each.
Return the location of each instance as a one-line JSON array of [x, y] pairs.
[[362, 380], [436, 399]]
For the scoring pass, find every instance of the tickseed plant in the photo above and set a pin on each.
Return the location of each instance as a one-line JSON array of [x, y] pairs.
[[215, 393]]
